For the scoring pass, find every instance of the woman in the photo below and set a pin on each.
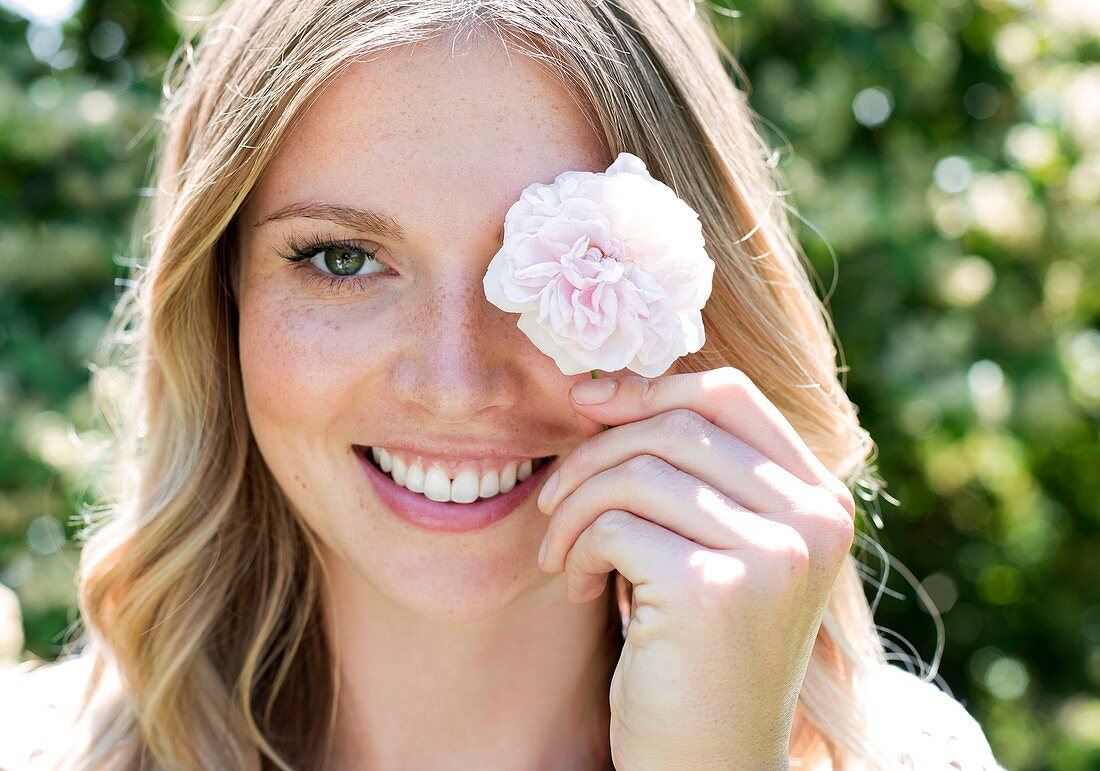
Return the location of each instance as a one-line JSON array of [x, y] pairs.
[[330, 190]]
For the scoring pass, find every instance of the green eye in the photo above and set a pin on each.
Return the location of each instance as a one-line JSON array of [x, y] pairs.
[[344, 261], [339, 266]]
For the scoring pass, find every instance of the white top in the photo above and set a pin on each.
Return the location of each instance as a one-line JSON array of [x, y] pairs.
[[929, 729], [37, 706], [923, 727]]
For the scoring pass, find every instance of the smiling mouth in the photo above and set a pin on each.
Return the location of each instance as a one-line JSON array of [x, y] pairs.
[[467, 487]]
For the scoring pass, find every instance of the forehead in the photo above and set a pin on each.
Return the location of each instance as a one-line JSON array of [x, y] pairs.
[[428, 133]]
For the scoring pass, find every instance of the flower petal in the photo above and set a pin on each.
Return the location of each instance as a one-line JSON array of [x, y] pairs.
[[608, 270], [545, 341]]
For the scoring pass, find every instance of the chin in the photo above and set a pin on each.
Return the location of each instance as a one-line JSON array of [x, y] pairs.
[[455, 581]]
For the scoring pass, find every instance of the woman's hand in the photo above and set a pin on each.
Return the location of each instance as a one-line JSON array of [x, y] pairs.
[[703, 496]]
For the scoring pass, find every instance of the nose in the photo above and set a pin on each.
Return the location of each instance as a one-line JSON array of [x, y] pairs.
[[461, 361]]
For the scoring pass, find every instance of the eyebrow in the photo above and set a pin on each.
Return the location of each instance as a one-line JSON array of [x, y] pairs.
[[356, 219]]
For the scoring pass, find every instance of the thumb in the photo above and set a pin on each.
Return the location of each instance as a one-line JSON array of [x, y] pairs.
[[587, 426]]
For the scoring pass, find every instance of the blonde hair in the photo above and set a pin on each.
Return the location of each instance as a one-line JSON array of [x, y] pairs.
[[199, 589]]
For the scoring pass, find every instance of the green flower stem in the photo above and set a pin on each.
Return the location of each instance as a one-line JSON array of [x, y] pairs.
[[596, 376]]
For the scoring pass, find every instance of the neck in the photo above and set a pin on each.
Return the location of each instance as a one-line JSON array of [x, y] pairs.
[[525, 688]]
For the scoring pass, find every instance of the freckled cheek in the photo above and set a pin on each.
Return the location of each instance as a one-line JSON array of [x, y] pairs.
[[298, 372], [311, 373]]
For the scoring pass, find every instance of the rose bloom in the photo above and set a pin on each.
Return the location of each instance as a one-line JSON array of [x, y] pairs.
[[607, 270]]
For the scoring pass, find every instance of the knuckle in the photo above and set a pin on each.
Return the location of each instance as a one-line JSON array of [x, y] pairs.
[[842, 509], [829, 503], [646, 465], [848, 501], [833, 522], [713, 586], [792, 554], [843, 533], [610, 523], [649, 392], [736, 382], [731, 374], [842, 495], [681, 422]]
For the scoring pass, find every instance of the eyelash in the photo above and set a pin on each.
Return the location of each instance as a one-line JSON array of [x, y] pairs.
[[300, 250]]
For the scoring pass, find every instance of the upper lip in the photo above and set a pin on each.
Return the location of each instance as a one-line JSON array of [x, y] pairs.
[[449, 450]]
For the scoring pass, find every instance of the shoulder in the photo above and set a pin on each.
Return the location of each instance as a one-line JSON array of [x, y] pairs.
[[923, 726], [38, 702]]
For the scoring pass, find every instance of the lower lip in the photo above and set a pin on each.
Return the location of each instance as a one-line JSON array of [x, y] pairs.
[[450, 517]]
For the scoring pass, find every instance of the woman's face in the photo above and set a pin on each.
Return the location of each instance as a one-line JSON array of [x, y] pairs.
[[408, 354]]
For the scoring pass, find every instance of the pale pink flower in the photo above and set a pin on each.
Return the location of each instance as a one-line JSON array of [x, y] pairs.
[[606, 269]]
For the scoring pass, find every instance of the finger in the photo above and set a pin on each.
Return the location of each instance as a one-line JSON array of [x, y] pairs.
[[643, 552], [587, 426], [688, 441], [649, 487], [660, 563], [728, 398]]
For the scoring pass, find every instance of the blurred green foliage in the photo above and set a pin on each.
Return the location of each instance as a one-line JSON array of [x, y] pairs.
[[945, 158]]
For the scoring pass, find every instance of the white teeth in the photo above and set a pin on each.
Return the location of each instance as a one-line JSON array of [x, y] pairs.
[[414, 478], [508, 477], [399, 471], [436, 485], [490, 484], [467, 487]]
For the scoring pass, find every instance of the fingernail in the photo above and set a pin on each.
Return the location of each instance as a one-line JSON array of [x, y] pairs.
[[548, 491], [593, 391], [542, 549]]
